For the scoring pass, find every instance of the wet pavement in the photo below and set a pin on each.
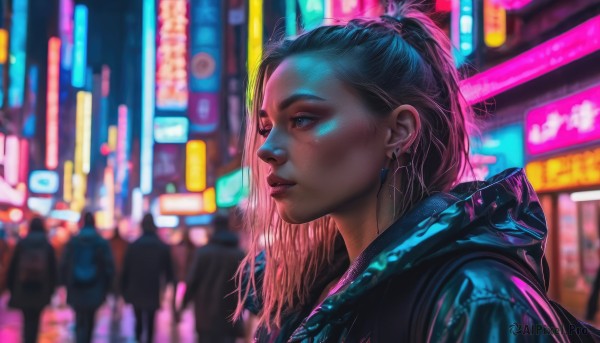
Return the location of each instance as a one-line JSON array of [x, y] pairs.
[[57, 324]]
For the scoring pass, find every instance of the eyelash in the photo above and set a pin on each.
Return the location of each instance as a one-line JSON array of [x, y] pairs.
[[265, 131]]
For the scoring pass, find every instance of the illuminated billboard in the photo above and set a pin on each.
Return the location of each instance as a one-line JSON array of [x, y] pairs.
[[569, 171], [80, 46], [496, 150], [205, 64], [195, 166], [52, 103], [171, 129], [148, 80], [232, 188], [563, 123], [43, 181], [189, 204], [171, 55]]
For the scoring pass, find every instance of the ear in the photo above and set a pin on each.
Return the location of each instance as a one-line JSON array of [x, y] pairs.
[[403, 127]]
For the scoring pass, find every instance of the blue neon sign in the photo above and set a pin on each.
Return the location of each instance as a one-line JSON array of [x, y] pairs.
[[80, 46]]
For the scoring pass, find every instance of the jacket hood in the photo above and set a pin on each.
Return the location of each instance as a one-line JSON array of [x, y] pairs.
[[500, 214]]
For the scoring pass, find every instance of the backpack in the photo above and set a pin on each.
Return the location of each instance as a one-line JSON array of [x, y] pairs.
[[85, 269], [32, 267], [576, 330]]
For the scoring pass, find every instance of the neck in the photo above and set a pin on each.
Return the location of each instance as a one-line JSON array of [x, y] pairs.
[[360, 221]]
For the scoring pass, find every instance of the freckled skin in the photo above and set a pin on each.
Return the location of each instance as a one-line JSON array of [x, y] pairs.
[[336, 159]]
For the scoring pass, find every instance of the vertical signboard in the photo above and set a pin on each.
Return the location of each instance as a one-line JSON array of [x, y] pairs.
[[195, 166], [66, 33], [494, 24], [313, 12], [80, 46], [171, 56], [18, 60], [205, 64], [52, 103], [148, 67]]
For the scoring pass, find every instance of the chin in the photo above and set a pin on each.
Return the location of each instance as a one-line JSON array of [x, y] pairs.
[[295, 215]]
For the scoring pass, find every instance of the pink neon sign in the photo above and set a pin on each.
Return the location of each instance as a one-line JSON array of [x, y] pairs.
[[546, 57], [513, 4], [567, 122], [52, 103], [347, 9]]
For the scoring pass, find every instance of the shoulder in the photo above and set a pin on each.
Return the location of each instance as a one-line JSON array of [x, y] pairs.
[[485, 297]]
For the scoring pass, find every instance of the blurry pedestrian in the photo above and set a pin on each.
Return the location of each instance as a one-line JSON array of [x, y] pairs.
[[4, 260], [87, 268], [182, 253], [118, 247], [210, 285], [32, 278], [147, 266]]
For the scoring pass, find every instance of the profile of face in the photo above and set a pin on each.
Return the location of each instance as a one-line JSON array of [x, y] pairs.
[[323, 146]]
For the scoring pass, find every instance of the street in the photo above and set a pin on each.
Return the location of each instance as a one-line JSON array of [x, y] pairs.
[[57, 325]]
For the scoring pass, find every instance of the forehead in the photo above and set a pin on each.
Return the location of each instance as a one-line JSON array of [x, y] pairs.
[[305, 73]]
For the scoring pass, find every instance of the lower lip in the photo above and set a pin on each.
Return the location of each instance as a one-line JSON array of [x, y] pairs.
[[280, 190]]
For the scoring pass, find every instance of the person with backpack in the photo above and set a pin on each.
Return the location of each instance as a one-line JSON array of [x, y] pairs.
[[87, 269], [32, 278], [147, 267]]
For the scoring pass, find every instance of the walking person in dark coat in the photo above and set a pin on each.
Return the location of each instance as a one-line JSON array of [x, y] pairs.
[[118, 246], [147, 266], [32, 278], [211, 285], [88, 269]]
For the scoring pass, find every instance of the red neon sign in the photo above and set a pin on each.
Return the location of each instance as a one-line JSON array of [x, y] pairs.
[[52, 103], [171, 55]]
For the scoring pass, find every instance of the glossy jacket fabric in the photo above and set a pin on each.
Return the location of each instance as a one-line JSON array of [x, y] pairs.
[[382, 296]]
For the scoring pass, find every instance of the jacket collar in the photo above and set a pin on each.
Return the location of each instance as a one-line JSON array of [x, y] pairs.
[[439, 225]]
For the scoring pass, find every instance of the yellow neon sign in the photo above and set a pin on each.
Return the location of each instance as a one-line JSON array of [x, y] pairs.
[[569, 171], [210, 200], [494, 23], [255, 43], [3, 46], [68, 181], [112, 138], [195, 166]]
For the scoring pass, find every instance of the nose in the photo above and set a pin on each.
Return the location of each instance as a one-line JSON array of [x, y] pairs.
[[271, 152]]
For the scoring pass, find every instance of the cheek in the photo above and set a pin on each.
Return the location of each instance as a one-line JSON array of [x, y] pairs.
[[343, 153]]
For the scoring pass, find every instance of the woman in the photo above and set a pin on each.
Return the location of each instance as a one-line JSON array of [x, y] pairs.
[[32, 278], [357, 138]]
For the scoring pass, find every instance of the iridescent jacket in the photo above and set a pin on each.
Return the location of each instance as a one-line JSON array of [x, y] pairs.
[[385, 295]]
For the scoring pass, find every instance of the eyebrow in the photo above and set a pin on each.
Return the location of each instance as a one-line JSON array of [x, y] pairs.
[[290, 101]]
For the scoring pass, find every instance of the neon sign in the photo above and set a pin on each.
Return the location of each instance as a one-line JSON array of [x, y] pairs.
[[462, 28], [83, 132], [188, 203], [66, 33], [514, 4], [171, 129], [18, 40], [3, 46], [80, 46], [171, 55], [68, 181], [546, 57], [11, 164], [52, 103], [148, 65], [567, 122], [232, 188], [313, 12], [497, 150], [195, 166], [43, 181], [122, 145], [565, 172], [494, 24]]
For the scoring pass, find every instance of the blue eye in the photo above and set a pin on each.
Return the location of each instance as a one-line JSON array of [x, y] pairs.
[[302, 122]]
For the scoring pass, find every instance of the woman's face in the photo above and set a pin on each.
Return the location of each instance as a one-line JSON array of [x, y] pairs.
[[324, 147]]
